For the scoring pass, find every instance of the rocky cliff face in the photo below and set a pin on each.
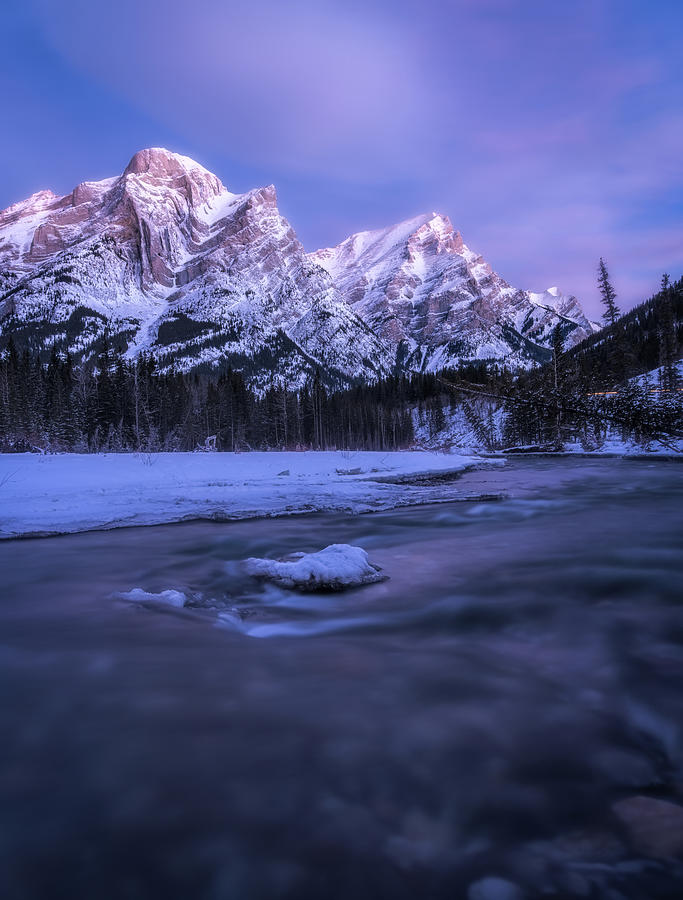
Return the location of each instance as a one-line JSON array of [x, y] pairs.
[[169, 262], [421, 288], [165, 260]]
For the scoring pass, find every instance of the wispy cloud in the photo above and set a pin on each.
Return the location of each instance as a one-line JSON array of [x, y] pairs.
[[303, 86], [551, 133]]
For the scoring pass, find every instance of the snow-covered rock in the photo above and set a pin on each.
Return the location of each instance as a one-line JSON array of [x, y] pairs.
[[420, 287], [655, 826], [167, 598], [335, 568]]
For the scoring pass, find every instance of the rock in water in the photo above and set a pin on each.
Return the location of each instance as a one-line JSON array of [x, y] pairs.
[[493, 888], [655, 826], [335, 568]]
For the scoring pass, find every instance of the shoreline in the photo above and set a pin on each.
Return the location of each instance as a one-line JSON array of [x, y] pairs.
[[50, 496], [140, 500], [264, 517]]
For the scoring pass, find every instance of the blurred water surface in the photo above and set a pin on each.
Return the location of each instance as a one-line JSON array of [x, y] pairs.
[[475, 717]]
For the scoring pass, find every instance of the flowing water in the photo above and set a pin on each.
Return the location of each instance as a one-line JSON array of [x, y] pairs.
[[475, 717]]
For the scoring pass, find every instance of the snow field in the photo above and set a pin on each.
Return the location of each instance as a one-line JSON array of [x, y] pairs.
[[64, 493]]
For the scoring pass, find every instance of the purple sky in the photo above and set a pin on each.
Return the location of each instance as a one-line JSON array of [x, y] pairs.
[[550, 132]]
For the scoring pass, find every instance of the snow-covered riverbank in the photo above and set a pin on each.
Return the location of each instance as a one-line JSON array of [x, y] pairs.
[[611, 447], [66, 493]]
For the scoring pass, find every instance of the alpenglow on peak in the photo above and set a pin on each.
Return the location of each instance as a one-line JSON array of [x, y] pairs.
[[167, 261]]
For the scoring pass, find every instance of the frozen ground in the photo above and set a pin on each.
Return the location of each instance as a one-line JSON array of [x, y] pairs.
[[653, 377], [614, 445], [65, 493]]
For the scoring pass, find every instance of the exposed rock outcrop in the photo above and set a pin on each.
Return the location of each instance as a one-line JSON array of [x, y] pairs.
[[419, 286], [169, 262]]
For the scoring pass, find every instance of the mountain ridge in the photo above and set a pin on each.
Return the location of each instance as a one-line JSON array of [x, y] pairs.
[[169, 262], [418, 283]]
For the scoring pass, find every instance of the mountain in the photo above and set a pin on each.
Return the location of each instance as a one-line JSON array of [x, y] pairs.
[[163, 259], [421, 289], [168, 261]]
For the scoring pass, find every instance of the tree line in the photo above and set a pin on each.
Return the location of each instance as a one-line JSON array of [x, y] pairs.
[[646, 337], [110, 403], [114, 404], [594, 388]]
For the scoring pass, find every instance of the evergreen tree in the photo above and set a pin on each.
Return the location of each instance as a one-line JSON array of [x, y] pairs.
[[558, 347], [557, 344], [668, 339], [608, 295], [616, 363], [108, 403]]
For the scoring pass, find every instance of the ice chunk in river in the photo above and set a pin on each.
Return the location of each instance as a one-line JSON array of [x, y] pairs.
[[336, 567], [170, 598]]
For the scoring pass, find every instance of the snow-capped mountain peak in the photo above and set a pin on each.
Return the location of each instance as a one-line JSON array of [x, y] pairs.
[[420, 287], [160, 162], [171, 261], [168, 261], [36, 202]]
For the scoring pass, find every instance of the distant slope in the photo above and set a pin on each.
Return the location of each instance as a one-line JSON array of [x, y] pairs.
[[637, 336], [421, 288]]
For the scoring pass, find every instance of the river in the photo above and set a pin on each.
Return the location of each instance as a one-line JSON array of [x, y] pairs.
[[475, 726]]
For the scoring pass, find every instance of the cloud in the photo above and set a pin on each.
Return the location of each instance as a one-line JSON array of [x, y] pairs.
[[550, 133], [306, 84]]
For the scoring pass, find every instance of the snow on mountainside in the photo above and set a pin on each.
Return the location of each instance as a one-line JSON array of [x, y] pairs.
[[421, 288], [165, 260], [168, 260]]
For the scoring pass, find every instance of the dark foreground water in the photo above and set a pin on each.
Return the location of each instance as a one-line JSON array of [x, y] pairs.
[[479, 725]]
